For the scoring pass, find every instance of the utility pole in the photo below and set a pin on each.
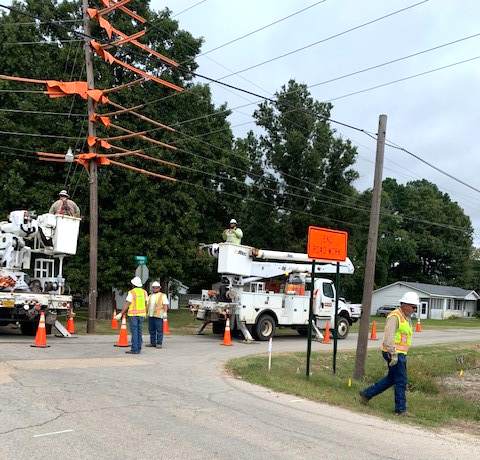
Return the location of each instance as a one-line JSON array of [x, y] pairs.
[[93, 180], [362, 343]]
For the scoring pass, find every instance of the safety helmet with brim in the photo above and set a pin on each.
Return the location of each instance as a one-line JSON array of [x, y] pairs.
[[137, 282]]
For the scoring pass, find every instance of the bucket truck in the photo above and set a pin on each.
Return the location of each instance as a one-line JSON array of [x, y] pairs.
[[22, 297], [262, 290]]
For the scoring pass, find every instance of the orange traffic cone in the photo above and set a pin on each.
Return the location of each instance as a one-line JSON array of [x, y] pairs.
[[326, 337], [41, 336], [373, 335], [70, 325], [114, 320], [166, 329], [227, 338], [419, 326], [123, 338]]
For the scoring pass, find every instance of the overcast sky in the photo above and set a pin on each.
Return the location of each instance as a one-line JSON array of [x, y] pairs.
[[435, 116]]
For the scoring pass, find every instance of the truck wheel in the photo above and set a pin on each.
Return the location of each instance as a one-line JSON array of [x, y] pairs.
[[265, 328], [218, 327], [303, 331], [28, 328], [342, 328]]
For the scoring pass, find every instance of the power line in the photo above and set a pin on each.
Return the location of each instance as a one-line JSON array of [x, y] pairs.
[[55, 136], [189, 8], [324, 40], [38, 112], [258, 30], [43, 42], [38, 22]]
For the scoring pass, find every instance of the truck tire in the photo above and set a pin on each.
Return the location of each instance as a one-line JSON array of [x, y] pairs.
[[264, 328], [342, 328], [218, 327], [28, 328], [303, 331]]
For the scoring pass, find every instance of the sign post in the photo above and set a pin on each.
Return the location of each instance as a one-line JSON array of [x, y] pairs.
[[331, 246]]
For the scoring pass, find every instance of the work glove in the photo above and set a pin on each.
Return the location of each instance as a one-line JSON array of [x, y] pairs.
[[119, 316], [393, 359]]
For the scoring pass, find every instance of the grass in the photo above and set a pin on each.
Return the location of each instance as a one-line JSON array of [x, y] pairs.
[[433, 403], [179, 321]]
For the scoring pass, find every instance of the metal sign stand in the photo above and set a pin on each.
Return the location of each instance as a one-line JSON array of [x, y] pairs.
[[310, 319], [335, 333]]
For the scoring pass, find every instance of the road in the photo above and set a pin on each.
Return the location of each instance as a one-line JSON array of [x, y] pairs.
[[85, 399]]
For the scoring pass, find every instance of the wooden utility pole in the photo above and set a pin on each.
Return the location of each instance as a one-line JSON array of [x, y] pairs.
[[92, 132], [361, 356]]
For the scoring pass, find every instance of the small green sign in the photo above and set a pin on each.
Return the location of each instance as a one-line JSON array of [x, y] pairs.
[[141, 260]]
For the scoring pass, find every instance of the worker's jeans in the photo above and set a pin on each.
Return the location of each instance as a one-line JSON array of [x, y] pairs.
[[136, 323], [397, 376], [155, 327]]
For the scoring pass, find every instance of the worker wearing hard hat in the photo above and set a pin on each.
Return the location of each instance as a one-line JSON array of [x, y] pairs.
[[136, 306], [157, 306], [233, 234], [396, 343], [65, 206]]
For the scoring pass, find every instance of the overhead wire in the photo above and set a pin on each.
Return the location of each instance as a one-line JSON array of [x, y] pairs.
[[189, 8]]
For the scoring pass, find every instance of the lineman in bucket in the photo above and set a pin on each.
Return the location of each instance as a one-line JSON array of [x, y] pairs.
[[396, 343]]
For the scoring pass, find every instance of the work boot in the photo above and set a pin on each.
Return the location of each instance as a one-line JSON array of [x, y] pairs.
[[405, 414], [132, 352], [159, 345], [363, 399], [151, 345]]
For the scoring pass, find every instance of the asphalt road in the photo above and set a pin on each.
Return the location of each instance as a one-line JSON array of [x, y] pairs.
[[84, 399]]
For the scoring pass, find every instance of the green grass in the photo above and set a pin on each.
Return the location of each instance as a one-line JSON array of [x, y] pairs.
[[451, 323], [433, 403], [179, 321]]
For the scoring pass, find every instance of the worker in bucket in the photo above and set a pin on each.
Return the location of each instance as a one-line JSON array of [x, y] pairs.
[[396, 343], [233, 234], [157, 306], [65, 206], [136, 306]]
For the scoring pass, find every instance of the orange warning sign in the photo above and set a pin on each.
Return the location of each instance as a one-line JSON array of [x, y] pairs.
[[326, 244]]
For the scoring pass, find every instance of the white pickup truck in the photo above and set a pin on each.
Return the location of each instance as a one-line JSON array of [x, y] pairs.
[[257, 309]]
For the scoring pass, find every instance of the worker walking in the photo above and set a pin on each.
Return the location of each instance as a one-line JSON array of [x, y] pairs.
[[64, 206], [157, 305], [233, 234], [136, 306], [396, 343]]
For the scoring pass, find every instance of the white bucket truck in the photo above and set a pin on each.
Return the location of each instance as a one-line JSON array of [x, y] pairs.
[[262, 290]]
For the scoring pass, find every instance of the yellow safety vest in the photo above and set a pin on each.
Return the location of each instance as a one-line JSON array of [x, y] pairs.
[[403, 334], [158, 306], [138, 305]]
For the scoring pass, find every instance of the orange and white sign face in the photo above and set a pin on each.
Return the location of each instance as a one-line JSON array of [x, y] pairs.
[[326, 244]]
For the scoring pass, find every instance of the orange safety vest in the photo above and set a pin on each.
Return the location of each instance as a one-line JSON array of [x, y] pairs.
[[403, 334], [158, 307], [138, 305]]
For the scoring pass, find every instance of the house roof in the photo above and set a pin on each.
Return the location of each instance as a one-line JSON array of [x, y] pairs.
[[435, 289]]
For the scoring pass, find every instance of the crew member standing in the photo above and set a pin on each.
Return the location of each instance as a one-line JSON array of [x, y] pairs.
[[136, 305], [157, 306], [233, 234], [396, 343], [64, 206]]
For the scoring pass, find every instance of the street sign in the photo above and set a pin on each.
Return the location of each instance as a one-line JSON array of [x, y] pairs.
[[142, 273], [326, 244], [141, 260]]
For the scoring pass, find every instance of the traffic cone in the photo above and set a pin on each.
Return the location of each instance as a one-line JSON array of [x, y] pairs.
[[166, 329], [70, 325], [114, 320], [373, 335], [41, 335], [227, 338], [123, 338], [326, 337], [419, 325]]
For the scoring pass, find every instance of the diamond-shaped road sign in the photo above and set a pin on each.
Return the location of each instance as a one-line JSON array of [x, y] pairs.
[[142, 273]]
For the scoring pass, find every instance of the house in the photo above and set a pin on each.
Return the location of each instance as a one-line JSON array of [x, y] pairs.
[[436, 302]]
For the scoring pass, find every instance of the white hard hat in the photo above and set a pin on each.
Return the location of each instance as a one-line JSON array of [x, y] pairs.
[[64, 193], [137, 282], [410, 298], [233, 221], [155, 284]]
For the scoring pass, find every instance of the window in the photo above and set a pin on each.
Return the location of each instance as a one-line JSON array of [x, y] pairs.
[[328, 290], [458, 304]]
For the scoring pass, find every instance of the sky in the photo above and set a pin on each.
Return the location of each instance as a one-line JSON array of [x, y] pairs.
[[434, 116]]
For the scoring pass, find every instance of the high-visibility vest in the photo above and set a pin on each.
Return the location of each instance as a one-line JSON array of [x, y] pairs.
[[403, 334], [158, 306], [138, 305]]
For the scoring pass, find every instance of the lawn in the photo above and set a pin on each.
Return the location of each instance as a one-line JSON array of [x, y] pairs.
[[179, 321], [437, 393]]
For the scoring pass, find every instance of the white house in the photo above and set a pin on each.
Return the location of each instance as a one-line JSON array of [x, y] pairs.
[[436, 302]]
